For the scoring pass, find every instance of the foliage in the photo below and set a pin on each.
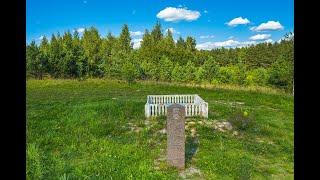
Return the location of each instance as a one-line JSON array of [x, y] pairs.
[[129, 71], [230, 74], [259, 76], [166, 67], [281, 74], [161, 58]]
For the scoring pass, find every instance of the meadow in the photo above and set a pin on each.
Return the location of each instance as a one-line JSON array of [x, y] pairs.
[[96, 129]]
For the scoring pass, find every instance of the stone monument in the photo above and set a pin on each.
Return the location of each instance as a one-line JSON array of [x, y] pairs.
[[176, 136]]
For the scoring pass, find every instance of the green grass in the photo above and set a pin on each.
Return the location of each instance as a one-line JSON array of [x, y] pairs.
[[95, 129]]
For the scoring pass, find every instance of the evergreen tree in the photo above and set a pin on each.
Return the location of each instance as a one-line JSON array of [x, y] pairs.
[[91, 42], [156, 33], [43, 58], [181, 44], [32, 52], [191, 44], [125, 39]]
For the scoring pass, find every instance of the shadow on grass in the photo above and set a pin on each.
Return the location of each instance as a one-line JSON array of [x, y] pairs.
[[192, 144]]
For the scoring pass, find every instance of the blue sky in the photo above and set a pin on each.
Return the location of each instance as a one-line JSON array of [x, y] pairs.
[[212, 23]]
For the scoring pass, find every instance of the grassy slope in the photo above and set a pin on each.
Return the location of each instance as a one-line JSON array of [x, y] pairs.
[[84, 130]]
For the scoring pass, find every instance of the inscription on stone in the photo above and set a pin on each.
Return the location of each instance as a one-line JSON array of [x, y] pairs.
[[176, 136]]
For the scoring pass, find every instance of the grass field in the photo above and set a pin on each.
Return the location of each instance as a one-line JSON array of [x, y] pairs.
[[96, 129]]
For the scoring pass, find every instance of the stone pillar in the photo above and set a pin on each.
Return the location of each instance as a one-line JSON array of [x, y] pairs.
[[176, 136], [147, 110]]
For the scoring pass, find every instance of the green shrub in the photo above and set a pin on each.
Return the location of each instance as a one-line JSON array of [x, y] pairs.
[[281, 75], [199, 75], [189, 70], [165, 68], [178, 73], [241, 120], [231, 74], [129, 72], [257, 76], [211, 69]]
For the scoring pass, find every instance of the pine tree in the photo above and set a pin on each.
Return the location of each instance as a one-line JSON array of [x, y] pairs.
[[43, 58], [32, 52], [191, 44], [156, 33], [78, 55], [181, 44], [125, 39], [91, 42]]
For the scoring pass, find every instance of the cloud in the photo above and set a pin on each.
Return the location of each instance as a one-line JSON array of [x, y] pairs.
[[205, 11], [172, 14], [230, 37], [136, 33], [269, 41], [80, 30], [227, 44], [270, 25], [238, 21], [136, 43], [260, 37], [207, 36], [41, 37], [173, 31]]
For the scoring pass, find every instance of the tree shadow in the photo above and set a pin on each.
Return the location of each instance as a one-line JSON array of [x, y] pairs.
[[192, 144]]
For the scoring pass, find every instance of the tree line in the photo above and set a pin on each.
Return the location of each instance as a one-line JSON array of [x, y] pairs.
[[160, 58]]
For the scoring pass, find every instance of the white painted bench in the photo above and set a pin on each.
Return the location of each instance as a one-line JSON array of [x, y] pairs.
[[157, 105]]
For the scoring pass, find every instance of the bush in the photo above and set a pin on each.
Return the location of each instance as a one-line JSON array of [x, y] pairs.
[[281, 75], [178, 73], [165, 68], [199, 75], [211, 69], [231, 74], [257, 76], [189, 70], [241, 120], [129, 72]]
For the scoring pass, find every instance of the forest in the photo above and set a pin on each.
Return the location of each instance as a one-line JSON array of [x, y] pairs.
[[160, 58]]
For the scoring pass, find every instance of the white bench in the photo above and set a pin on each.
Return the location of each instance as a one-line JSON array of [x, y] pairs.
[[157, 105]]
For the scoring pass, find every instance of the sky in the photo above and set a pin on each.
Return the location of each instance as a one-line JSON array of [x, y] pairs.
[[213, 23]]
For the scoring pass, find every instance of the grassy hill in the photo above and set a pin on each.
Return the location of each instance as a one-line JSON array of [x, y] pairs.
[[97, 129]]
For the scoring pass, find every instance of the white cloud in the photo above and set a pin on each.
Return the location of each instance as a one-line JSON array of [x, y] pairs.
[[230, 37], [238, 21], [252, 28], [136, 33], [177, 14], [80, 30], [207, 36], [173, 31], [136, 43], [41, 37], [227, 44], [269, 41], [270, 25], [260, 37]]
